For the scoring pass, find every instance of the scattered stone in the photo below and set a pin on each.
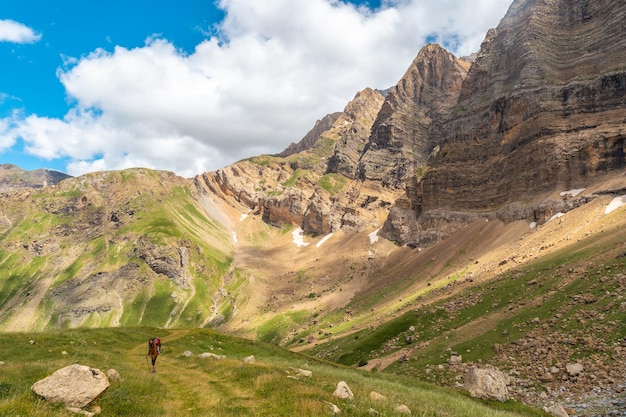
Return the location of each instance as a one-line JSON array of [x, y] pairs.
[[249, 359], [372, 412], [403, 409], [333, 408], [209, 355], [574, 369], [556, 410], [64, 353], [187, 354], [343, 391], [305, 373], [455, 360], [487, 384], [375, 396], [74, 386], [32, 342], [77, 410], [113, 375]]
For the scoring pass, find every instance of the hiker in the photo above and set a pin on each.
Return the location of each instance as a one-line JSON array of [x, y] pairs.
[[153, 352]]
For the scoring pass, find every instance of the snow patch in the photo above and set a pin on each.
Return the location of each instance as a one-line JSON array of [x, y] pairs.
[[616, 203], [324, 239], [556, 216], [533, 225], [572, 193], [298, 237], [245, 215], [374, 236], [235, 237]]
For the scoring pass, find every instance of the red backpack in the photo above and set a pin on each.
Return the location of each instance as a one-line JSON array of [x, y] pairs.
[[157, 342]]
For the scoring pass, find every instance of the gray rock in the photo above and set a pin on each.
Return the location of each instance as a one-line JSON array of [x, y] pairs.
[[209, 355], [488, 384], [74, 386], [343, 391], [403, 409], [574, 369], [556, 410]]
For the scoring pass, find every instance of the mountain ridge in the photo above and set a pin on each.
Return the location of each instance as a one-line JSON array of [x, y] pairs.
[[474, 204]]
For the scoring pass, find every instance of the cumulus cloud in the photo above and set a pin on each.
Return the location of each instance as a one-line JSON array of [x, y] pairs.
[[269, 70], [11, 31]]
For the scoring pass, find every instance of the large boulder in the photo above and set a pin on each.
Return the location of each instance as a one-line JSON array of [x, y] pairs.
[[343, 391], [487, 384], [74, 386]]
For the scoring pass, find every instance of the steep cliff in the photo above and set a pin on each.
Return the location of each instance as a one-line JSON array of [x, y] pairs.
[[401, 138], [542, 110], [315, 188]]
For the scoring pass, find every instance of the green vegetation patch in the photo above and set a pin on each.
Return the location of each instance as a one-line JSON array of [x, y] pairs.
[[332, 183]]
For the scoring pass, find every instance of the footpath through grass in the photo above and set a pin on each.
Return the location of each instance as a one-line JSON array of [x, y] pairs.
[[194, 386]]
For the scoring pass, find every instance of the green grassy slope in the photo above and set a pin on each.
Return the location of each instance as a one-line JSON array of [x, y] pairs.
[[193, 386], [104, 249]]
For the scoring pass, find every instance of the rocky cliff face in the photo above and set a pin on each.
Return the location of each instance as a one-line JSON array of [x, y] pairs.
[[542, 110], [312, 136], [539, 110], [401, 138], [316, 187]]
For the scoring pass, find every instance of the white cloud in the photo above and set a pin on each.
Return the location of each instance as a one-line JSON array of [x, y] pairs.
[[11, 31], [273, 68]]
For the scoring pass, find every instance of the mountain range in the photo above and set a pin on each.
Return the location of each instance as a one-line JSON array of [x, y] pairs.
[[479, 198]]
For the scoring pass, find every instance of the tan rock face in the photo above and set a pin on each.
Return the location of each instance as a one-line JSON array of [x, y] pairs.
[[314, 188], [542, 109], [401, 137]]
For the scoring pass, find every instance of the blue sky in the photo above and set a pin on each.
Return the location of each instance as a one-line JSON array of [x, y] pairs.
[[194, 85]]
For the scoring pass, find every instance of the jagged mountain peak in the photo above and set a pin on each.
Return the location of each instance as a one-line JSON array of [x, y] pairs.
[[401, 138]]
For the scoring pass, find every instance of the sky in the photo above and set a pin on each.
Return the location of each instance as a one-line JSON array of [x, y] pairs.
[[195, 85]]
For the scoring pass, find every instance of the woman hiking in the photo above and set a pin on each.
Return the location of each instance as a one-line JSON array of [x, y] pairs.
[[153, 352]]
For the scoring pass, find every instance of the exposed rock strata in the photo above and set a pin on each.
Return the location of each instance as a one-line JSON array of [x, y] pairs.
[[315, 188], [401, 138], [542, 109]]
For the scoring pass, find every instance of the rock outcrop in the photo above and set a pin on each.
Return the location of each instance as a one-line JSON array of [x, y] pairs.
[[402, 138], [309, 140], [542, 109], [315, 188]]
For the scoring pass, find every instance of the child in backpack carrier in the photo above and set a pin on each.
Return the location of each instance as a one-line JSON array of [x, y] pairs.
[[153, 352]]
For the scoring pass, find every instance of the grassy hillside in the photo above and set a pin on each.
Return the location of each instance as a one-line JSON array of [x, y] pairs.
[[193, 386], [104, 249]]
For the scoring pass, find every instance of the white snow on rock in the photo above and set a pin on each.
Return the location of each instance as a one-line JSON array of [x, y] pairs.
[[244, 216], [324, 239], [556, 216], [374, 236], [615, 204], [298, 237], [235, 237], [572, 193]]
